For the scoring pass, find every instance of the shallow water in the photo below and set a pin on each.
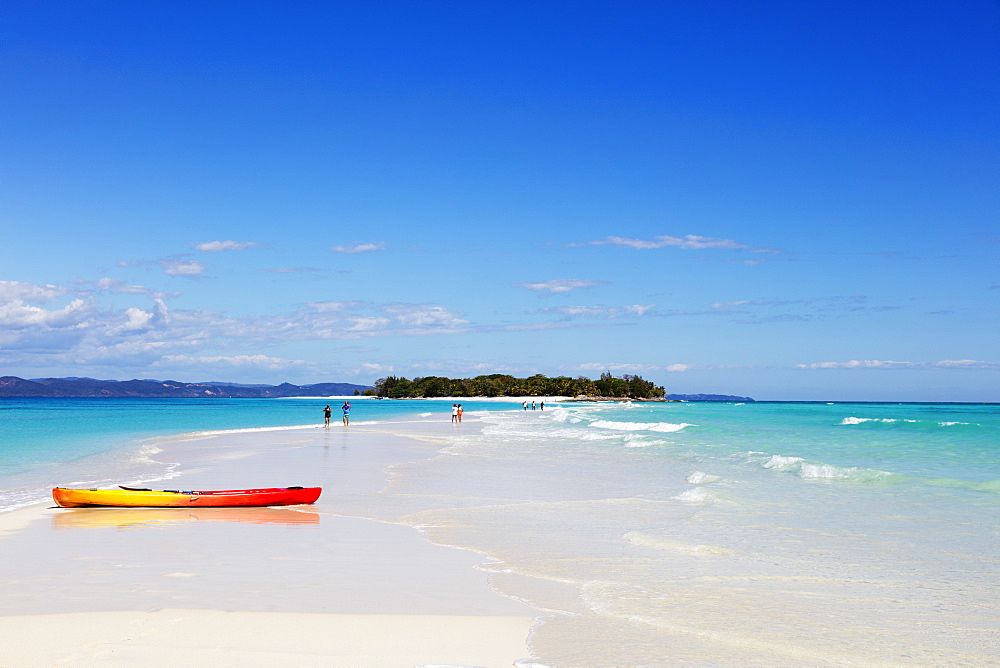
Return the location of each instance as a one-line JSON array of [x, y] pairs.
[[719, 533], [751, 534], [47, 442]]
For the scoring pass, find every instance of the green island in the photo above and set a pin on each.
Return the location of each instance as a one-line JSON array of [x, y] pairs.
[[502, 385]]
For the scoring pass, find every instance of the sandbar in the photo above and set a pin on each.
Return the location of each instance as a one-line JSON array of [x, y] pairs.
[[309, 585]]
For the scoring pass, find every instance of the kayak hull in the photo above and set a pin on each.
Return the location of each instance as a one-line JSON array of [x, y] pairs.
[[129, 498]]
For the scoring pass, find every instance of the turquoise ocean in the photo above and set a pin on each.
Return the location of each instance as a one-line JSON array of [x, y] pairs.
[[729, 534], [788, 533], [47, 442]]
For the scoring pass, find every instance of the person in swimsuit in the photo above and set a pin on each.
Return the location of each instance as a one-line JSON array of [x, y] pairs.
[[326, 415], [347, 412]]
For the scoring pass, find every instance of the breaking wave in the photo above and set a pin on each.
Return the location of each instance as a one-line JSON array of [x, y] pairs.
[[641, 426], [697, 496], [807, 470], [861, 420], [699, 478]]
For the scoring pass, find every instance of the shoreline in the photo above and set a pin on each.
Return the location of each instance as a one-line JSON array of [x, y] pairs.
[[125, 586], [500, 400], [639, 534], [128, 460]]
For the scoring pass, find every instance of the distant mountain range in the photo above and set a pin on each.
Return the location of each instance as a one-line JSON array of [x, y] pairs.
[[12, 386]]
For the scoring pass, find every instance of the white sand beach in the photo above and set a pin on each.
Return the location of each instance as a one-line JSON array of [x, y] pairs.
[[252, 586]]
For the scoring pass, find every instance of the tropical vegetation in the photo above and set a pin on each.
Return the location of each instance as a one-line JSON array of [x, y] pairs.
[[502, 385]]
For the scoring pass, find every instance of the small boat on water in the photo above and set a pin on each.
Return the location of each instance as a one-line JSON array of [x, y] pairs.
[[134, 497]]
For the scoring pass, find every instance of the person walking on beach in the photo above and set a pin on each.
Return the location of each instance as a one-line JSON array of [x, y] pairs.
[[532, 405], [460, 411], [524, 405], [326, 415], [347, 412], [454, 412], [543, 405]]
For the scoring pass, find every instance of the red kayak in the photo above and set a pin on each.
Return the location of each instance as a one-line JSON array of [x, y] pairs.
[[172, 498]]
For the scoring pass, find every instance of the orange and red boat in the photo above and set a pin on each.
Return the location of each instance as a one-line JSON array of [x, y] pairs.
[[131, 497]]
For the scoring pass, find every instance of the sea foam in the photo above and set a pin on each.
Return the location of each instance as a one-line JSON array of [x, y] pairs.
[[640, 426], [861, 420], [807, 470], [697, 496], [858, 420]]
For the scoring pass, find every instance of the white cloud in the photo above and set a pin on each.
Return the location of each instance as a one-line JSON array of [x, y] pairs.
[[30, 292], [14, 314], [229, 361], [182, 267], [890, 364], [688, 241], [138, 352], [858, 364], [374, 369], [464, 367], [137, 319], [351, 320], [620, 367], [624, 367], [559, 286], [365, 324], [119, 287], [137, 335], [80, 332], [221, 246], [966, 364], [763, 311], [359, 248], [424, 316], [327, 307], [600, 312], [580, 311]]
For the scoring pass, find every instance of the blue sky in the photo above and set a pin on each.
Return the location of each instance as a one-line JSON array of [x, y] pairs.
[[777, 199]]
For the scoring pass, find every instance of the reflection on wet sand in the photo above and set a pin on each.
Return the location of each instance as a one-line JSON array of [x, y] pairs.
[[73, 518]]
